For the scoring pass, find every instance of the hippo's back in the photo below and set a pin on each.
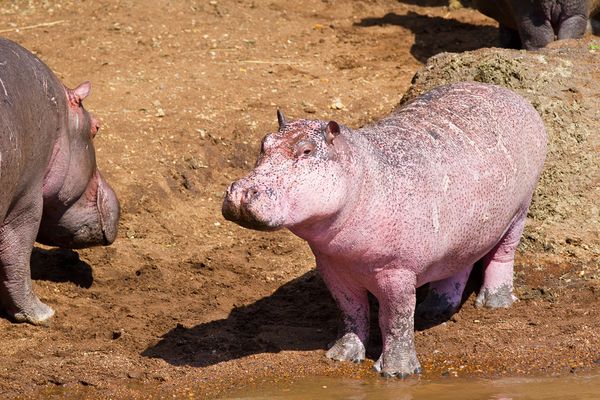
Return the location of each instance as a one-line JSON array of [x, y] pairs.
[[465, 125]]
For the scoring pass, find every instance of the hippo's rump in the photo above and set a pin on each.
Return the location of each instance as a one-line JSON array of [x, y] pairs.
[[465, 158]]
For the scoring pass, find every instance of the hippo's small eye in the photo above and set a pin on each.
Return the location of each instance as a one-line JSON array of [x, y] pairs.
[[305, 148]]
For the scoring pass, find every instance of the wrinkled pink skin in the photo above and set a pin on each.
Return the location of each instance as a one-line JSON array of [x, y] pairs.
[[418, 197], [52, 191], [533, 24]]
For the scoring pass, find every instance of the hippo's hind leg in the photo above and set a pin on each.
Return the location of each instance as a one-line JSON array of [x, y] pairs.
[[444, 296], [353, 302], [497, 288], [17, 235]]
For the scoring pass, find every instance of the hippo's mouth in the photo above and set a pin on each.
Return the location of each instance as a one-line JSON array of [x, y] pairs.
[[241, 215], [108, 211]]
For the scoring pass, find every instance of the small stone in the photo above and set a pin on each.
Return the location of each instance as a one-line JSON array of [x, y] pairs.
[[337, 104], [57, 380], [117, 334], [134, 374], [308, 108], [202, 133], [455, 5]]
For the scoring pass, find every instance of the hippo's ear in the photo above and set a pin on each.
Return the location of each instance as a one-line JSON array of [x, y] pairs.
[[82, 91], [281, 119], [331, 131]]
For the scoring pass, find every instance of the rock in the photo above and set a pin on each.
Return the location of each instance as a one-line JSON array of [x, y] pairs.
[[135, 374]]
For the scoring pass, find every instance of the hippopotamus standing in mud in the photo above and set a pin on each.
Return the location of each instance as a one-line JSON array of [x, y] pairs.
[[418, 197], [532, 24], [51, 190]]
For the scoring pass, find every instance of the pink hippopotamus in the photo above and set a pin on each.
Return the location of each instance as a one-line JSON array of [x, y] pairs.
[[51, 190], [418, 197]]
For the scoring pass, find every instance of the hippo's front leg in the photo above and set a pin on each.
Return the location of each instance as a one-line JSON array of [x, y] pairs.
[[352, 299], [396, 292], [17, 235]]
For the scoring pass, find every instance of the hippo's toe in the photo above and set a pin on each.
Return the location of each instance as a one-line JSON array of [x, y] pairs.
[[397, 362]]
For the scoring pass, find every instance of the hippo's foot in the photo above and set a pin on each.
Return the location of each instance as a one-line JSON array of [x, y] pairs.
[[398, 362], [37, 313], [347, 348], [436, 307], [500, 298]]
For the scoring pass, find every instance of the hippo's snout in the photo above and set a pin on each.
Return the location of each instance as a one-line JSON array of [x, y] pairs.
[[242, 205], [231, 204]]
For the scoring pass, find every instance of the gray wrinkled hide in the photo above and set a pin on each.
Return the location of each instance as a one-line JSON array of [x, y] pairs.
[[532, 24]]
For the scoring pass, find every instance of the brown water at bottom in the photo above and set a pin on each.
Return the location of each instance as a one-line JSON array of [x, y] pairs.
[[572, 387]]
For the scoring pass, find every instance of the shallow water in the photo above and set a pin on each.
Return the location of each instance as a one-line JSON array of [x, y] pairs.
[[571, 387]]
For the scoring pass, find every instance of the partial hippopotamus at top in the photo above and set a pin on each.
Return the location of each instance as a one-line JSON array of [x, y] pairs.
[[420, 196], [50, 188], [533, 24]]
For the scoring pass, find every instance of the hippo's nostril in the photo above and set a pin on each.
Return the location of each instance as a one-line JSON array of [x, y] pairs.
[[250, 193]]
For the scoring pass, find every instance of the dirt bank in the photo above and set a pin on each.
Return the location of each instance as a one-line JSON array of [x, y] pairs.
[[185, 301]]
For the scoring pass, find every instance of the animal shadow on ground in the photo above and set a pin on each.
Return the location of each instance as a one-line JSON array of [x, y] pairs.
[[426, 3], [300, 315], [434, 35], [60, 265], [435, 3]]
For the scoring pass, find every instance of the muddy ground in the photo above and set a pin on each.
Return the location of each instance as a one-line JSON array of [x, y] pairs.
[[186, 303]]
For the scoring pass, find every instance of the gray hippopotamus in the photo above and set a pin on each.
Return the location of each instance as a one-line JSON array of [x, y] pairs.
[[420, 196], [532, 24], [52, 191]]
